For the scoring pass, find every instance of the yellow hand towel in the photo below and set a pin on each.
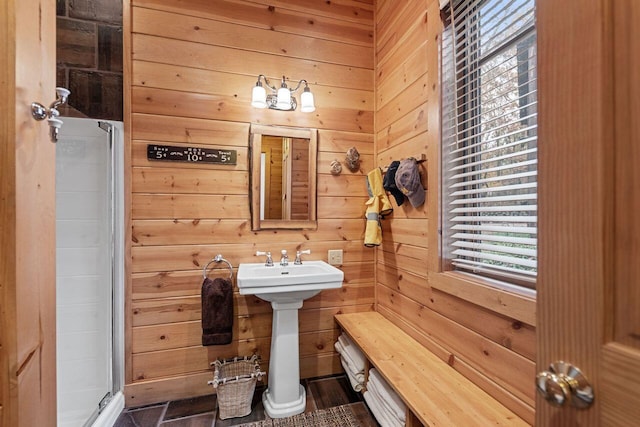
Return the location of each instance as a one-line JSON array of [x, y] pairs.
[[377, 207]]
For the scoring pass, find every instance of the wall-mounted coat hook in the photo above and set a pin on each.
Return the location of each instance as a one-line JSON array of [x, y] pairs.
[[40, 112]]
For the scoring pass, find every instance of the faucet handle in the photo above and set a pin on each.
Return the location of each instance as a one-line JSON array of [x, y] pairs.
[[298, 261], [269, 261]]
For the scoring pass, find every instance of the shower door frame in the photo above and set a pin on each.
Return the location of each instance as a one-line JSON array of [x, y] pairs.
[[108, 408]]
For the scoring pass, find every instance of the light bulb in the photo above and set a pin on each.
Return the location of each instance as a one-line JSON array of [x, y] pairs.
[[284, 98], [259, 97], [307, 104]]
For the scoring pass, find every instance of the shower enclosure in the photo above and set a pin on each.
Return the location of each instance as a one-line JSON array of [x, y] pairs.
[[89, 278]]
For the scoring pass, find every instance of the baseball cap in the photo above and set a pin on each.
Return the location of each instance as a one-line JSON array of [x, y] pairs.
[[389, 182], [408, 181]]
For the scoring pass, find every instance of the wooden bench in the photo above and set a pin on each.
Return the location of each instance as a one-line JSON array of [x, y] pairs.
[[434, 392]]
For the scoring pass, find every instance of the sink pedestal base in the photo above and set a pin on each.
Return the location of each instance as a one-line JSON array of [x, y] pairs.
[[285, 396], [287, 409]]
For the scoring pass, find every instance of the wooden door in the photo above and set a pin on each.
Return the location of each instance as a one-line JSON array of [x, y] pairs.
[[27, 212], [589, 207]]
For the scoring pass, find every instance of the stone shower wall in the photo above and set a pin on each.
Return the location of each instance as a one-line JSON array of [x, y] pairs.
[[89, 57]]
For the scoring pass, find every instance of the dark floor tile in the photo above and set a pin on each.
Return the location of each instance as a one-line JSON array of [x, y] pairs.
[[146, 417], [193, 406], [124, 420], [365, 417], [334, 391], [322, 393], [203, 420], [311, 401]]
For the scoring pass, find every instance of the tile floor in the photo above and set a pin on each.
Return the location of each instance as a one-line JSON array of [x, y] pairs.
[[322, 393]]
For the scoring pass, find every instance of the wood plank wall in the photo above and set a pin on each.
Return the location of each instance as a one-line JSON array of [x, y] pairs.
[[494, 351], [194, 63], [272, 147], [27, 214]]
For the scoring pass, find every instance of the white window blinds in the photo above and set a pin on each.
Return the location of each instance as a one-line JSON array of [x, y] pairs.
[[489, 139]]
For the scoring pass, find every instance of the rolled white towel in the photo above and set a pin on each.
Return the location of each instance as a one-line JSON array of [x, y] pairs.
[[387, 395], [388, 408], [356, 384], [353, 351], [379, 413], [347, 358]]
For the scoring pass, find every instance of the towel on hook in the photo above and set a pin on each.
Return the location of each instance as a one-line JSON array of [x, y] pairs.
[[217, 311], [377, 207]]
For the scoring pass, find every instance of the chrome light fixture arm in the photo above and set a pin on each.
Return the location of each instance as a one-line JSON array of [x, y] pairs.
[[306, 85], [266, 82]]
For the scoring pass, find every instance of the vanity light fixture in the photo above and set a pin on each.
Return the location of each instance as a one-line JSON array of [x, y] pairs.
[[282, 98]]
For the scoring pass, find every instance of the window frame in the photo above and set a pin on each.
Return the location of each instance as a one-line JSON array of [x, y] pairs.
[[515, 302]]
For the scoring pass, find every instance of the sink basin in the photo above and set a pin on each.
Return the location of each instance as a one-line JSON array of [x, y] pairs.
[[286, 288], [293, 282]]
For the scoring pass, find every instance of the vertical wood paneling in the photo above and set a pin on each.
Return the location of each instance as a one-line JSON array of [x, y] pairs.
[[573, 245], [589, 191], [627, 180], [8, 408], [194, 63], [407, 125], [27, 212]]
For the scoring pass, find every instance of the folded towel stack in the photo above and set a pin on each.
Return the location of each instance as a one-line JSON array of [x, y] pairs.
[[352, 361], [384, 403]]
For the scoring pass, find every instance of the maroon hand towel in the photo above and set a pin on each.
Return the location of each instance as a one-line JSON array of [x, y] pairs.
[[217, 311]]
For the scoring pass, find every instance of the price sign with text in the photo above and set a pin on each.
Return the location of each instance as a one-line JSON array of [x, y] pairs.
[[191, 154]]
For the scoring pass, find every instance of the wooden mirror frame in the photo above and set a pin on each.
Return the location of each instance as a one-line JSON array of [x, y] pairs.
[[257, 131]]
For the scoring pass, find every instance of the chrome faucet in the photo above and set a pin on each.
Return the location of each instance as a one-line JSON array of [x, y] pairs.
[[269, 261], [284, 260], [298, 261]]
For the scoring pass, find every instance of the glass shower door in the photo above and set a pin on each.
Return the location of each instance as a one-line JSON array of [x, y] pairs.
[[84, 252]]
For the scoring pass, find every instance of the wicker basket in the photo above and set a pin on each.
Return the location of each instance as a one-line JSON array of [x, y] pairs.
[[235, 380]]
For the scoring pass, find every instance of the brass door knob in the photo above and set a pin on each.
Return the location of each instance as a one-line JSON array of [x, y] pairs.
[[564, 383]]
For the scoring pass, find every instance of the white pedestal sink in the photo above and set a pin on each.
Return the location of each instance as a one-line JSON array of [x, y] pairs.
[[286, 288]]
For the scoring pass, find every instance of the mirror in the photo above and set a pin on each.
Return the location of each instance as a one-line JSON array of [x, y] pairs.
[[283, 178]]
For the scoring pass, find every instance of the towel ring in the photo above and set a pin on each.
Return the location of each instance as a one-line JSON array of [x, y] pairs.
[[217, 259]]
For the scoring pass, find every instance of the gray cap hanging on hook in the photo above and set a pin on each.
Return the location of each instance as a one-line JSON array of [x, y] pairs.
[[408, 181]]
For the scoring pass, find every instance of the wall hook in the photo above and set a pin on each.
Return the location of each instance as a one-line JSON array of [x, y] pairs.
[[40, 112]]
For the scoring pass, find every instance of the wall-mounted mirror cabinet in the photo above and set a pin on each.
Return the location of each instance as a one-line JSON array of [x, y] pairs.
[[283, 177]]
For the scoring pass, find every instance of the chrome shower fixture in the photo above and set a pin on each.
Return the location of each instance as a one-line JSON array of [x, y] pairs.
[[40, 112]]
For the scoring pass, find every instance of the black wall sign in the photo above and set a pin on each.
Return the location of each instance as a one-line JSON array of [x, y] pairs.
[[191, 154]]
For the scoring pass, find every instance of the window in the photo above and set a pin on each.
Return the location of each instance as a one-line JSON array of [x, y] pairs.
[[489, 140]]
